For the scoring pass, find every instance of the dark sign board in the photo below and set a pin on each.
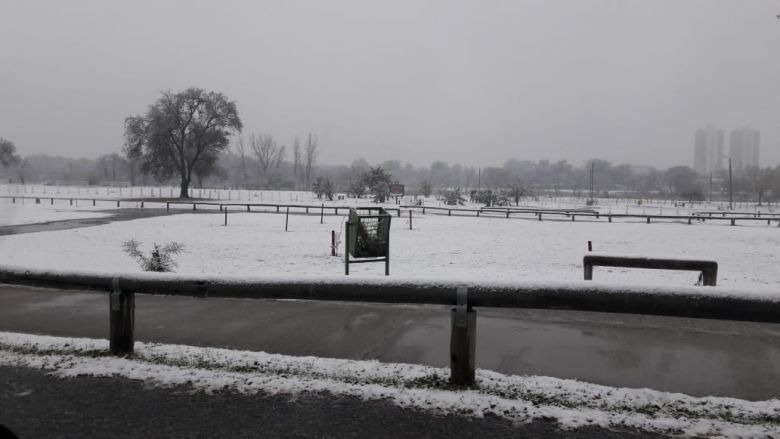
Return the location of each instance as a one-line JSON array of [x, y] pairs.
[[396, 190]]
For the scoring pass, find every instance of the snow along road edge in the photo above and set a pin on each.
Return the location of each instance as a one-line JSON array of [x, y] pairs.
[[519, 399]]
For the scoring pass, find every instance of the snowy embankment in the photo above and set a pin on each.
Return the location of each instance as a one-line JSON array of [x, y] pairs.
[[485, 249], [517, 398]]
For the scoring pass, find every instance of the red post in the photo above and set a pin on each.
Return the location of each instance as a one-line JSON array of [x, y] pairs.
[[590, 246], [333, 243]]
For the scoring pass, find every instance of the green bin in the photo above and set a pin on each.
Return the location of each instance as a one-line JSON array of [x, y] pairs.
[[369, 232]]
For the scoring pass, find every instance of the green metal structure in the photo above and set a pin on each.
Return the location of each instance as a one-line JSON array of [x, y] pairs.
[[367, 237]]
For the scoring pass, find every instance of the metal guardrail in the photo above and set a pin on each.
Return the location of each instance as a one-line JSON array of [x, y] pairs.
[[689, 302]]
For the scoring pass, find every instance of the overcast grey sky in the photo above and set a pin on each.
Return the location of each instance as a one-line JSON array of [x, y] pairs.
[[472, 82]]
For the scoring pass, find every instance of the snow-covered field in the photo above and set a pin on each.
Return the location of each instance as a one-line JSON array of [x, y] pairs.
[[605, 205], [438, 246], [516, 398]]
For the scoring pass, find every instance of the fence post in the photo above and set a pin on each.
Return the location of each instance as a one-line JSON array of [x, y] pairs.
[[322, 212], [122, 319], [588, 270], [709, 276], [333, 243], [346, 248], [287, 218], [226, 215], [463, 341], [410, 219]]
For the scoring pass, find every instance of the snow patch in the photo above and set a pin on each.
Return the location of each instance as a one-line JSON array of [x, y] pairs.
[[518, 398]]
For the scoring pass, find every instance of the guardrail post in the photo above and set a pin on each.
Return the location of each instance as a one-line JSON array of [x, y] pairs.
[[122, 320], [93, 202], [287, 218], [463, 341], [322, 212], [410, 219]]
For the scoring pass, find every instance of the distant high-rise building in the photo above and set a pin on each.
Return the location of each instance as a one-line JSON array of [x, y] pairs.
[[708, 150], [744, 149]]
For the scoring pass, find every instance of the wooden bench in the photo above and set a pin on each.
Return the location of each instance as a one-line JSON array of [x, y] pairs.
[[708, 269]]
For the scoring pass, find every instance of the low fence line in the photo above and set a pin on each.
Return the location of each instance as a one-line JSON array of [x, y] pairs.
[[574, 213], [489, 212], [691, 302]]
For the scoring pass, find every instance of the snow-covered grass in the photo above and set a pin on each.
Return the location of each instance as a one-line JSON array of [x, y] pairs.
[[517, 398], [439, 246]]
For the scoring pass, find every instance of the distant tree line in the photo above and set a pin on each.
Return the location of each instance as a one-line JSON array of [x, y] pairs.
[[271, 168], [194, 137]]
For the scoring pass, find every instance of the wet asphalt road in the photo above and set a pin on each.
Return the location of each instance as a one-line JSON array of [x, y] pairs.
[[35, 405], [697, 357]]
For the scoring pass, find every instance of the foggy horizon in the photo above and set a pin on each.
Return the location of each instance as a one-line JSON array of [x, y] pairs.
[[627, 82]]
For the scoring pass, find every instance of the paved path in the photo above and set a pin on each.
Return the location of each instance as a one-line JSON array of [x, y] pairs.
[[34, 405], [114, 215], [698, 357]]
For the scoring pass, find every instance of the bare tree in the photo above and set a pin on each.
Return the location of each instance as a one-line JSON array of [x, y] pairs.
[[311, 157], [22, 166], [242, 155], [269, 154], [297, 162]]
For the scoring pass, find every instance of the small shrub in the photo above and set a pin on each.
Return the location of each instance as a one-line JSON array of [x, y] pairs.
[[160, 259]]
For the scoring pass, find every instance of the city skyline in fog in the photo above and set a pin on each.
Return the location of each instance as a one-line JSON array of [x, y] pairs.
[[464, 82]]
